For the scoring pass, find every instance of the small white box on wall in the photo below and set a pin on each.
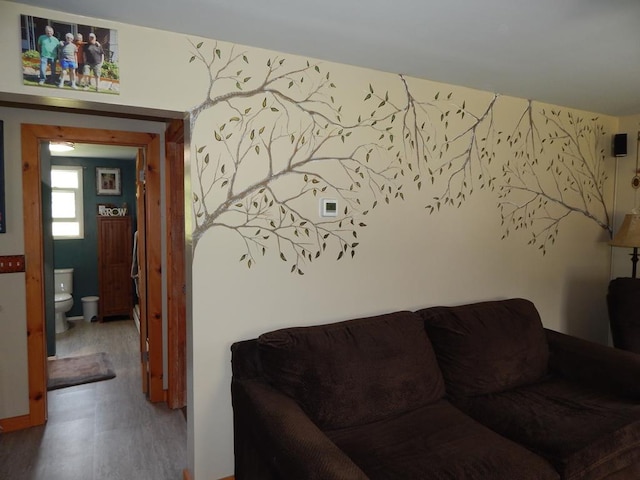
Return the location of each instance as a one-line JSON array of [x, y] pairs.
[[328, 207]]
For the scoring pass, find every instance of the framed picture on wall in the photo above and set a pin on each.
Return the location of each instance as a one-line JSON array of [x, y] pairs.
[[60, 53], [108, 181]]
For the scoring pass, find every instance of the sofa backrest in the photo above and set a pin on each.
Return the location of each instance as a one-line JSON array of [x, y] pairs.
[[245, 361], [354, 372], [489, 346]]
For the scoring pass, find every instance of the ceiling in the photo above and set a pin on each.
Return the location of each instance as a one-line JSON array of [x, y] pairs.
[[583, 54]]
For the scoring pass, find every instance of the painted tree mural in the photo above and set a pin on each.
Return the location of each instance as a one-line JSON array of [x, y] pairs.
[[551, 165], [556, 169], [282, 139], [282, 133], [442, 137]]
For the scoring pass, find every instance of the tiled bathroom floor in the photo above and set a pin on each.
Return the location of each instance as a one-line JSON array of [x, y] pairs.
[[100, 431]]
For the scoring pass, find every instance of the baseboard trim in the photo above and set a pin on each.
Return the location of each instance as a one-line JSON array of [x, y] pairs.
[[186, 475], [15, 423]]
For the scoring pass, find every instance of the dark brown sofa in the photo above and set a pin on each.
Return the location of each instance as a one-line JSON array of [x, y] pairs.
[[477, 391]]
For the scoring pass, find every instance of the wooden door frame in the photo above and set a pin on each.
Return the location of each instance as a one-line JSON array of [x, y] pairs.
[[176, 272], [31, 136]]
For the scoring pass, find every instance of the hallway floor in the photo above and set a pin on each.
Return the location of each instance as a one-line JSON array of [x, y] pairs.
[[103, 430]]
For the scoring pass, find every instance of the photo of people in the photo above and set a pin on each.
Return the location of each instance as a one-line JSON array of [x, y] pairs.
[[64, 55], [108, 181]]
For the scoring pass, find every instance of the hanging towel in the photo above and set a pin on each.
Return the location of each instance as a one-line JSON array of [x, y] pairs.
[[135, 272]]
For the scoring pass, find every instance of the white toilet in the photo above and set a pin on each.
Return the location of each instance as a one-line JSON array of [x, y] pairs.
[[63, 279]]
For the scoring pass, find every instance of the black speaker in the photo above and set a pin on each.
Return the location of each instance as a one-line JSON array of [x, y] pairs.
[[620, 144]]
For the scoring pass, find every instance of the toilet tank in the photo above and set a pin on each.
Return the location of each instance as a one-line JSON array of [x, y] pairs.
[[63, 280]]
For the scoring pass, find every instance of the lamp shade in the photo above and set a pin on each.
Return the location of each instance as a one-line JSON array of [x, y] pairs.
[[629, 233]]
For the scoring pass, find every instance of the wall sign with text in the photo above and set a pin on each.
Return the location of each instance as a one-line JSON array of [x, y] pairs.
[[112, 211]]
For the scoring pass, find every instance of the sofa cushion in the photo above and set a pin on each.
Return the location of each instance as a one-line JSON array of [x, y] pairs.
[[488, 347], [437, 442], [356, 371], [586, 434]]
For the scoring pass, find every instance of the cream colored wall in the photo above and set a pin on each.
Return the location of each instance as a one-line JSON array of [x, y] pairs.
[[627, 198], [14, 388], [407, 257]]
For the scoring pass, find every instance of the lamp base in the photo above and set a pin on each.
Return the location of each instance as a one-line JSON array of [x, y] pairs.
[[623, 303]]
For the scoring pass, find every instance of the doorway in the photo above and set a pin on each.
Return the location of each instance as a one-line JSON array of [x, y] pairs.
[[151, 342], [81, 208]]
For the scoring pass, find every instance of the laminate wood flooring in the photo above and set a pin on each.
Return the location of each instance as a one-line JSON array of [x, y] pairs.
[[100, 431]]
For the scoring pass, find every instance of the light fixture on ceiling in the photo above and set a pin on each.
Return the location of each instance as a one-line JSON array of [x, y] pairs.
[[59, 147]]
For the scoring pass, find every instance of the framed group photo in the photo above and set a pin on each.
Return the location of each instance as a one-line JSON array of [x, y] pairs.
[[108, 181], [65, 55]]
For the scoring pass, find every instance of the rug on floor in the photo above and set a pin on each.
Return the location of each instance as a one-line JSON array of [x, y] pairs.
[[69, 371]]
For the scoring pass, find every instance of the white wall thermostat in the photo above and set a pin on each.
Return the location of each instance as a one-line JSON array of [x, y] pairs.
[[328, 207]]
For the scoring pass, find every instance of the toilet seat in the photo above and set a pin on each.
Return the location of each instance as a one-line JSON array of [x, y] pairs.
[[61, 297]]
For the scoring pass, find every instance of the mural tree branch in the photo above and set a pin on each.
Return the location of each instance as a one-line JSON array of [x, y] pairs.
[[556, 169], [282, 140], [568, 149], [442, 137]]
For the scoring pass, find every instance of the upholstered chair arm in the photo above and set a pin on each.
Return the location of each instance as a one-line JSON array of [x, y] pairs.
[[594, 364], [290, 444]]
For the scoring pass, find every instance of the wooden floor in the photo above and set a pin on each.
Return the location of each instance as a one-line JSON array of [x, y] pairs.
[[100, 431]]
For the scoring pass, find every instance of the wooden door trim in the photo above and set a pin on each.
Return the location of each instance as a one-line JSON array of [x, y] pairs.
[[176, 273], [153, 235], [31, 135], [34, 273], [15, 423]]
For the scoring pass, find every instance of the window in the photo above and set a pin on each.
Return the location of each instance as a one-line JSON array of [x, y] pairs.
[[66, 202]]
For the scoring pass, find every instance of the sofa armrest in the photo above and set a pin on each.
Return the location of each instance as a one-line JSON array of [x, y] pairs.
[[273, 426], [594, 364]]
